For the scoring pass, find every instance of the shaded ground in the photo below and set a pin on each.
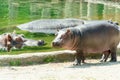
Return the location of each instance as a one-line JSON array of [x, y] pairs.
[[92, 70]]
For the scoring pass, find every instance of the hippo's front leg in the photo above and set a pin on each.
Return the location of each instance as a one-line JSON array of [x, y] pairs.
[[79, 57]]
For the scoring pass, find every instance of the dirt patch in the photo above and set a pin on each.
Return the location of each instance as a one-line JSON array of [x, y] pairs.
[[92, 70]]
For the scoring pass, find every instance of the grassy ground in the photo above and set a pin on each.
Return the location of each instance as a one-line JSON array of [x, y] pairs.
[[9, 25], [37, 36], [15, 13]]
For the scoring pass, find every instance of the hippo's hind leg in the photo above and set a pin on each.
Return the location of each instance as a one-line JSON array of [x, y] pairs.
[[79, 57], [113, 54], [105, 56]]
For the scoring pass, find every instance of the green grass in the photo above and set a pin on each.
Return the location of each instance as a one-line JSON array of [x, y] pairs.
[[37, 36], [15, 63], [22, 15], [49, 59], [8, 24], [16, 12]]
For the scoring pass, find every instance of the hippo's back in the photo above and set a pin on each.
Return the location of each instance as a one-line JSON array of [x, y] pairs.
[[98, 37]]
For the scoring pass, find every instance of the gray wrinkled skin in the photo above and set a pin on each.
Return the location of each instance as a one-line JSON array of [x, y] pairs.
[[49, 25], [89, 38]]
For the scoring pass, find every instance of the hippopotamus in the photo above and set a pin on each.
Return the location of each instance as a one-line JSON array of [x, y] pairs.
[[99, 37], [19, 42], [49, 26], [10, 40], [31, 42]]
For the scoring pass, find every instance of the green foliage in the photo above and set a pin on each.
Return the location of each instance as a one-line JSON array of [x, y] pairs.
[[49, 59], [37, 36], [15, 63]]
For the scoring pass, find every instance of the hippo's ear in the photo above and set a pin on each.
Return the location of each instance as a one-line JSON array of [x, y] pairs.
[[9, 37]]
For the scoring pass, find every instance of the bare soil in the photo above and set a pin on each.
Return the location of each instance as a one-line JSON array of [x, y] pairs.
[[92, 70]]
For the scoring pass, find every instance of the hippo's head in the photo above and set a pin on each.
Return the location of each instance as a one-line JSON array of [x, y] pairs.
[[8, 42], [19, 42], [40, 42], [63, 39]]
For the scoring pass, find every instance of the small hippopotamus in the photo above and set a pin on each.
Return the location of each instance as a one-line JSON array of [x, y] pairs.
[[10, 40], [100, 37], [31, 42], [19, 40]]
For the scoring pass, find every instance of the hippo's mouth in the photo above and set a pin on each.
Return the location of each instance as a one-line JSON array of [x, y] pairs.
[[56, 45]]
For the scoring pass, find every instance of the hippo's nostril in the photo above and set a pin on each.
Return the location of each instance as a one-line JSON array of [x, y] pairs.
[[55, 44]]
